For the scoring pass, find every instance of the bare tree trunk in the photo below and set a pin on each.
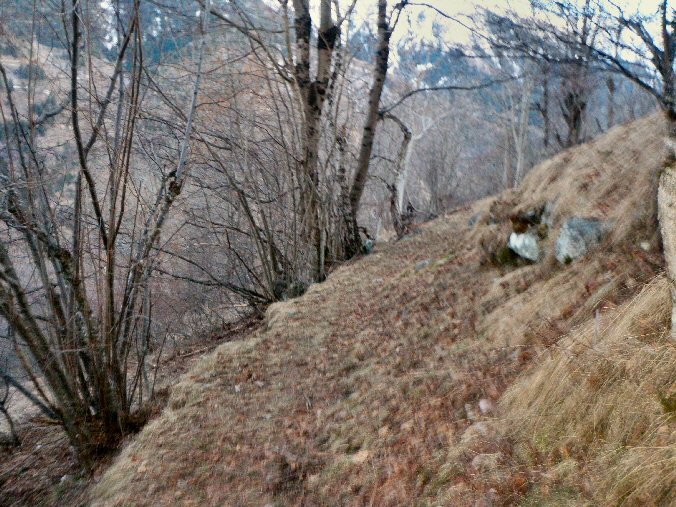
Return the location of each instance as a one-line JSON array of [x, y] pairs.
[[395, 213], [506, 158], [396, 197], [666, 204], [666, 210], [666, 190], [369, 132], [8, 417], [402, 174], [313, 93], [610, 83], [12, 427], [544, 110], [520, 130]]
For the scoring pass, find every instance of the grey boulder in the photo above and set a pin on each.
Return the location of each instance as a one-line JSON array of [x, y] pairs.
[[577, 236]]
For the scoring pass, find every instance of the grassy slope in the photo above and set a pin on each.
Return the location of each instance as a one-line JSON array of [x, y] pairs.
[[368, 390]]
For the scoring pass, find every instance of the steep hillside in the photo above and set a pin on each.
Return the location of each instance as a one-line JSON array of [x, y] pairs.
[[443, 370]]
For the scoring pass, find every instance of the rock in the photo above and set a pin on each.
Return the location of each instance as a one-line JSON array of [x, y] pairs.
[[486, 406], [470, 412], [481, 431], [407, 426], [577, 236], [284, 289], [490, 499], [360, 457], [525, 245]]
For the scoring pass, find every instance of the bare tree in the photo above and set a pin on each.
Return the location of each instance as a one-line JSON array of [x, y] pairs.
[[314, 87], [648, 46], [560, 50], [386, 23], [78, 302]]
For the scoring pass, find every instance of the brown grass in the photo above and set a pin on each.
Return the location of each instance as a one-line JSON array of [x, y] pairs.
[[613, 177], [368, 390], [597, 408]]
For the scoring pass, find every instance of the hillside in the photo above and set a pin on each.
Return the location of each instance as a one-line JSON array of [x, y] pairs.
[[442, 370]]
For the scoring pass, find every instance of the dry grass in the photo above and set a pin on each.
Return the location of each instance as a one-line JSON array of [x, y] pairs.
[[613, 177], [369, 389], [597, 414]]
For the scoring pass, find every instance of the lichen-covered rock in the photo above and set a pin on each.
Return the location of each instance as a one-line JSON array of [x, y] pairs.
[[578, 235], [525, 245], [486, 406], [482, 431]]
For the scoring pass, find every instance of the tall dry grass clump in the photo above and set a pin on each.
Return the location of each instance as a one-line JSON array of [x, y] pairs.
[[598, 415]]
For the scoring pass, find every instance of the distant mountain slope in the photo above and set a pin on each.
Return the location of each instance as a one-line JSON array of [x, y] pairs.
[[384, 385]]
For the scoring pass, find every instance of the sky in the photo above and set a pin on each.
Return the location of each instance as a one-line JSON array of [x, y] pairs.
[[455, 33], [456, 8], [420, 20]]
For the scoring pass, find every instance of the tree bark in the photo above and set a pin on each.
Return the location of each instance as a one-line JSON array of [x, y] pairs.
[[666, 190], [369, 131], [313, 94], [666, 210], [610, 116], [520, 130], [397, 189]]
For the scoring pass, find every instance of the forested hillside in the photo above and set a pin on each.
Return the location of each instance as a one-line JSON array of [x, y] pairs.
[[337, 252]]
